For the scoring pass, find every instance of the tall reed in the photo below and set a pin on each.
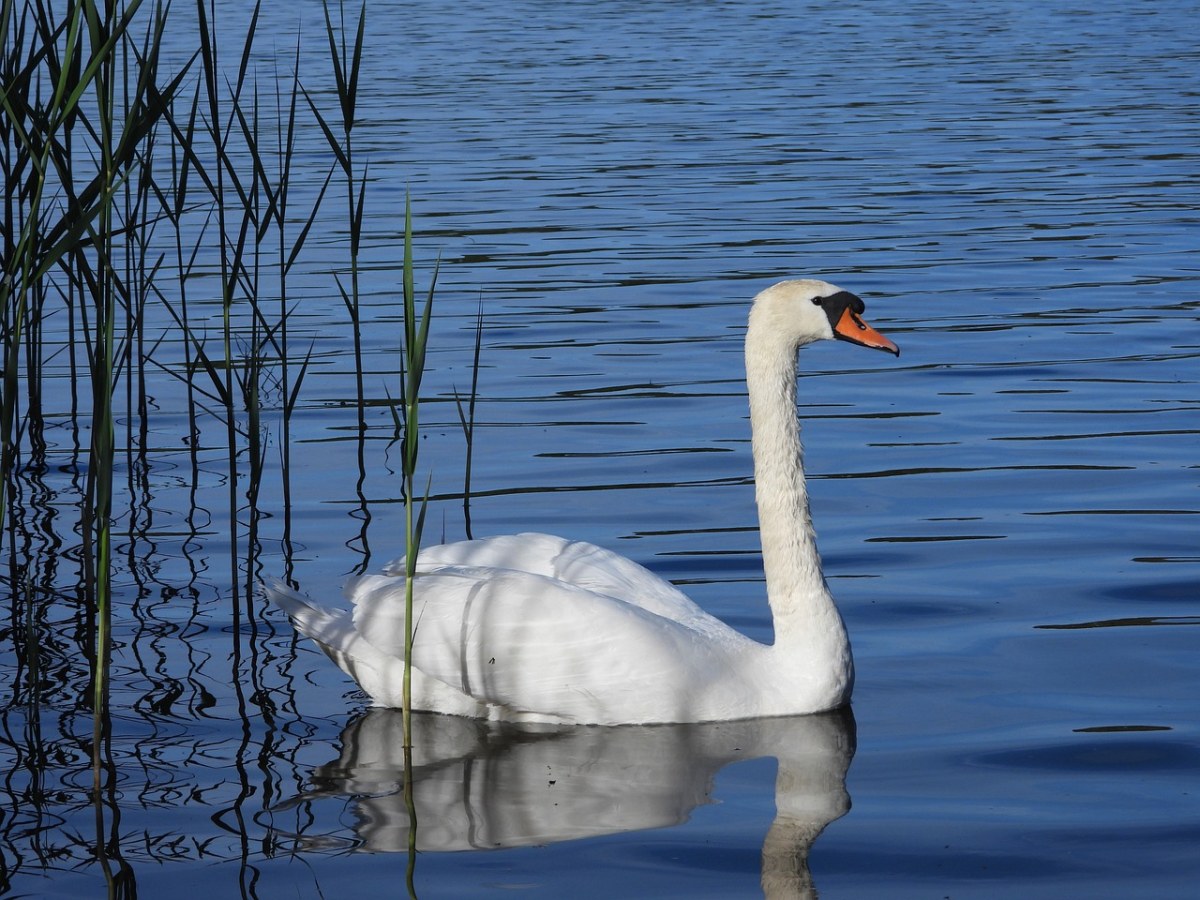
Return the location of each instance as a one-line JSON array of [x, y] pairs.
[[413, 352], [69, 223], [67, 72], [124, 184], [416, 342], [346, 60]]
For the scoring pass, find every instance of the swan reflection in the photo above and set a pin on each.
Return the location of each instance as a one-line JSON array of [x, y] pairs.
[[485, 785]]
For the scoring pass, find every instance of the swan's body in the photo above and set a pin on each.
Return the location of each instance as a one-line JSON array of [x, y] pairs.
[[531, 627]]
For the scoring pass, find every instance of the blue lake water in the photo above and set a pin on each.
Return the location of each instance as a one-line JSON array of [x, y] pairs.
[[1009, 514]]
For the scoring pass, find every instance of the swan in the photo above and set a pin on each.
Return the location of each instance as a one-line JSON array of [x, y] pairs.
[[536, 628]]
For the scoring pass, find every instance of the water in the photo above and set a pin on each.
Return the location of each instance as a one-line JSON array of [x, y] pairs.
[[1007, 514]]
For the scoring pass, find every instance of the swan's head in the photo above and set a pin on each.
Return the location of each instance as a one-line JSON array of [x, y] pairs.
[[804, 310]]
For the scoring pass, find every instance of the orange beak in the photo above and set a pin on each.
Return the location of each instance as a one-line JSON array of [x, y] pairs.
[[852, 328]]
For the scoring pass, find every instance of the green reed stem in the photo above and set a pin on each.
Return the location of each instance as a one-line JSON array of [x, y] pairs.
[[413, 354], [103, 384], [230, 259]]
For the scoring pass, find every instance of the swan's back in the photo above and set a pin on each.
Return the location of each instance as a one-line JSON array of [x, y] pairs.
[[576, 563]]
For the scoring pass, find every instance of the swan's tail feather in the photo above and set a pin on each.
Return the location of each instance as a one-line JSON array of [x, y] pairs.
[[330, 629], [378, 673]]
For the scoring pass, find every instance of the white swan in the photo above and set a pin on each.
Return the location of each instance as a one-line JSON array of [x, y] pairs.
[[530, 627]]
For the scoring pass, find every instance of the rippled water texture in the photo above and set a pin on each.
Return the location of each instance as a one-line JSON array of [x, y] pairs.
[[1009, 514]]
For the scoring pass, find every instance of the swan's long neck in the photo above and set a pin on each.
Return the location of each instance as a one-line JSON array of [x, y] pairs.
[[807, 623]]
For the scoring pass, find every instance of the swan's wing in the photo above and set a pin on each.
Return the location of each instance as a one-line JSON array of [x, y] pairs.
[[529, 643], [578, 563]]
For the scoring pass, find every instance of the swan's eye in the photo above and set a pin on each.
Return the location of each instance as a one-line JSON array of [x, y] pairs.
[[817, 301]]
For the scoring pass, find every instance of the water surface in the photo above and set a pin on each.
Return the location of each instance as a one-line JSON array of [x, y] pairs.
[[1008, 514]]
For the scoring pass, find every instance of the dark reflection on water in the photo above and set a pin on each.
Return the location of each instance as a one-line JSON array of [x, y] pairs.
[[1125, 623], [1007, 514], [1146, 755]]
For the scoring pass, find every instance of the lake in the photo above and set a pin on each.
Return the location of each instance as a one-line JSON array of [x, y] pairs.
[[1008, 514]]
